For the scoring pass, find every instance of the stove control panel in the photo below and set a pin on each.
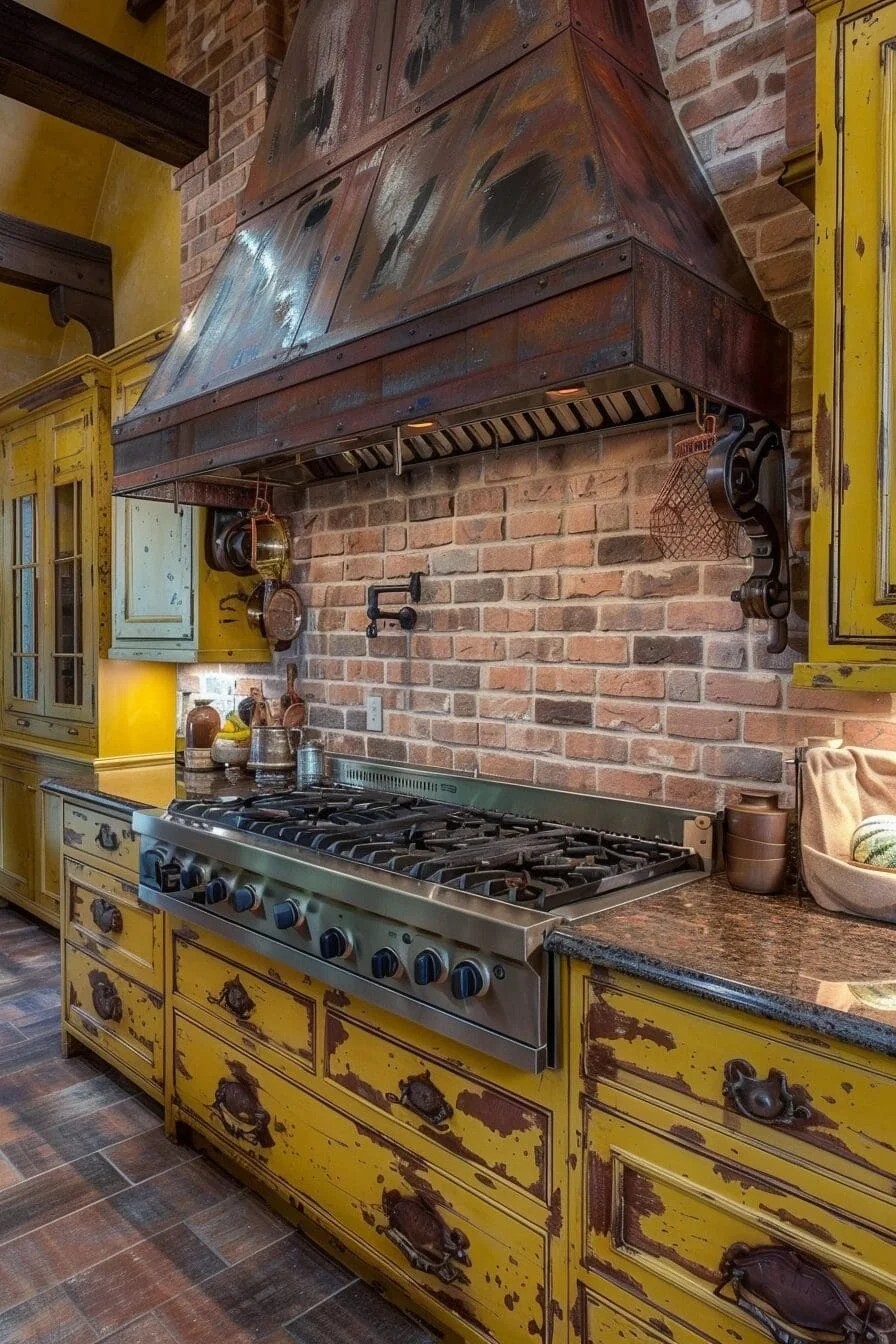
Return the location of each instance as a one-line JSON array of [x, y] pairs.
[[355, 945]]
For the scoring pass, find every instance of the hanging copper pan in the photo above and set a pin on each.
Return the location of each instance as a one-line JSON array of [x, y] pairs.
[[276, 610]]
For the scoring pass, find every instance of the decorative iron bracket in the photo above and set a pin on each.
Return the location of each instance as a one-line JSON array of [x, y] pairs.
[[747, 484]]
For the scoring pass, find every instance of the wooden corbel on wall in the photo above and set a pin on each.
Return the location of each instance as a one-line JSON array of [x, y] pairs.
[[75, 274]]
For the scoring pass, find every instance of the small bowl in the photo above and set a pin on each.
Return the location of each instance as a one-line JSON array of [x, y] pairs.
[[760, 876], [227, 752]]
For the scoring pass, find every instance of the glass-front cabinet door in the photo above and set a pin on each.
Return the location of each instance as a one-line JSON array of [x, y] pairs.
[[22, 634], [70, 673]]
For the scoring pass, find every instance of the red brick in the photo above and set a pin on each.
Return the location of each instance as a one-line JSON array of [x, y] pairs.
[[508, 677], [757, 688], [499, 766], [664, 754], [508, 557], [597, 649], [704, 616], [787, 730], [621, 716], [581, 746], [708, 724], [629, 783], [473, 531], [572, 680], [638, 683]]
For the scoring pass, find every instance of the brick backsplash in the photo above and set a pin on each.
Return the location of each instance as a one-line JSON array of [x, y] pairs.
[[553, 643]]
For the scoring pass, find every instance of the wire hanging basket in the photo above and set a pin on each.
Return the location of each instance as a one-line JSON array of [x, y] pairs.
[[683, 522]]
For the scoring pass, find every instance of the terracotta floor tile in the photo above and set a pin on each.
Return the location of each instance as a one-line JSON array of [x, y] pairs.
[[51, 1318], [141, 1278], [173, 1196], [45, 1198], [37, 1112], [239, 1227], [357, 1315], [37, 1151], [148, 1330], [247, 1303], [147, 1154], [8, 1174]]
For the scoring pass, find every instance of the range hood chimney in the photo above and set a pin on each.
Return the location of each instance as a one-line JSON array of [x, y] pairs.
[[466, 219]]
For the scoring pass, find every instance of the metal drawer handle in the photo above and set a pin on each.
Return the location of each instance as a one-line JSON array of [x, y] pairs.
[[237, 1106], [106, 998], [106, 916], [420, 1095], [234, 997], [769, 1100], [106, 838], [23, 723], [787, 1291], [72, 732], [424, 1238]]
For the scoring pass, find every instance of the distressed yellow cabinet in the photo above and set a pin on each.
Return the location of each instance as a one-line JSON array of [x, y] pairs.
[[853, 532], [167, 604], [113, 945], [444, 1172], [735, 1179]]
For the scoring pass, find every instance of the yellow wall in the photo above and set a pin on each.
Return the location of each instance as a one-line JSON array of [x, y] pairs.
[[73, 179]]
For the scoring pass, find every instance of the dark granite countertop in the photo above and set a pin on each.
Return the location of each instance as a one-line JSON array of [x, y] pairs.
[[782, 957], [132, 788]]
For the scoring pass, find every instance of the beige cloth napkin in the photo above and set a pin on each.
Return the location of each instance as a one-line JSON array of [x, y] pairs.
[[841, 787]]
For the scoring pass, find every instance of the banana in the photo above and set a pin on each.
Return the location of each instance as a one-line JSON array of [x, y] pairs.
[[234, 730]]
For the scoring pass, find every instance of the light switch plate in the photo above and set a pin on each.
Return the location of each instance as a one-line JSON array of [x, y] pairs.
[[374, 713]]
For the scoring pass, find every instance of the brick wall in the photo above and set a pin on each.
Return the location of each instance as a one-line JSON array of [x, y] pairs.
[[553, 645]]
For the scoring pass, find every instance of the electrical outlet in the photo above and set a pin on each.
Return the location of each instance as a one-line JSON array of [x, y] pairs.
[[374, 713]]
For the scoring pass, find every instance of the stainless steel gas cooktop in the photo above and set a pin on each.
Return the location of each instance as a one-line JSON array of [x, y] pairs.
[[429, 894]]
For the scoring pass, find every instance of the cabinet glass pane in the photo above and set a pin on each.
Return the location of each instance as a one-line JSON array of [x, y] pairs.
[[24, 587], [68, 645]]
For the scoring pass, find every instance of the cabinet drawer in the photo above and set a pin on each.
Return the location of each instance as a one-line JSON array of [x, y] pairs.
[[700, 1057], [122, 1019], [100, 835], [105, 917], [267, 1012], [462, 1255], [666, 1211], [466, 1115], [609, 1313]]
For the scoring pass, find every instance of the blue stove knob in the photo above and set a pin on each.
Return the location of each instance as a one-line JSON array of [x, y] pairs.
[[428, 967], [467, 980], [384, 964], [245, 898], [191, 876], [287, 914], [333, 943], [216, 890]]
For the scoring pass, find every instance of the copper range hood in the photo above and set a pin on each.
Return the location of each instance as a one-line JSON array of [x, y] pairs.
[[469, 222]]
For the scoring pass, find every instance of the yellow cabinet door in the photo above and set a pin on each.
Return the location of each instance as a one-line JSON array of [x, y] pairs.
[[22, 592], [19, 832], [853, 553]]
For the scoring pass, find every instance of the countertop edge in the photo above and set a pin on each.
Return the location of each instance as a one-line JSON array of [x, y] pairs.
[[738, 994], [67, 788]]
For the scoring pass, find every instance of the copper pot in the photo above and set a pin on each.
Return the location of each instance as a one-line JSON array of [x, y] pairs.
[[757, 875], [758, 816]]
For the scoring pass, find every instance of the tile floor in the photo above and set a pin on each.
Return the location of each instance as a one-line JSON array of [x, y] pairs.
[[109, 1231]]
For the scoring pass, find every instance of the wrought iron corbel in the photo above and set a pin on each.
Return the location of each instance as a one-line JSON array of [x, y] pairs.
[[747, 483]]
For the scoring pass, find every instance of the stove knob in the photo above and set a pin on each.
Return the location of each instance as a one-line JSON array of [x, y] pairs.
[[216, 890], [245, 898], [288, 915], [384, 964], [168, 875], [192, 876], [334, 943], [429, 968], [468, 980]]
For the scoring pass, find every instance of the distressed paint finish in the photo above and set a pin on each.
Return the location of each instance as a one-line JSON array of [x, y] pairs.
[[279, 1020], [85, 825], [515, 140], [672, 1175], [675, 1048], [351, 1179], [135, 1039], [136, 947], [317, 1119], [487, 1127], [852, 627]]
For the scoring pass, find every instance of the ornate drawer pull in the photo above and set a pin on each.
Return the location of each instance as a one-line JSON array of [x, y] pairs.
[[106, 998], [420, 1095], [107, 838], [424, 1238], [787, 1291], [106, 916], [234, 998], [23, 723], [769, 1100], [237, 1106]]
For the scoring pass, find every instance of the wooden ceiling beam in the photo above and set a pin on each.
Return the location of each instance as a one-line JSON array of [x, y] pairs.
[[75, 273], [144, 9], [57, 70]]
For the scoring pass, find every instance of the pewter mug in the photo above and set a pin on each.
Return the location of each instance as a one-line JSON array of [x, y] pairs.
[[311, 765]]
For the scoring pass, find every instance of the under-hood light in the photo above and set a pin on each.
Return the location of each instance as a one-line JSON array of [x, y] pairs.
[[419, 426], [564, 393]]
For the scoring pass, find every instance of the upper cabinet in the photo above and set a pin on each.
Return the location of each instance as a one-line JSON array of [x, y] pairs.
[[167, 605], [853, 537]]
